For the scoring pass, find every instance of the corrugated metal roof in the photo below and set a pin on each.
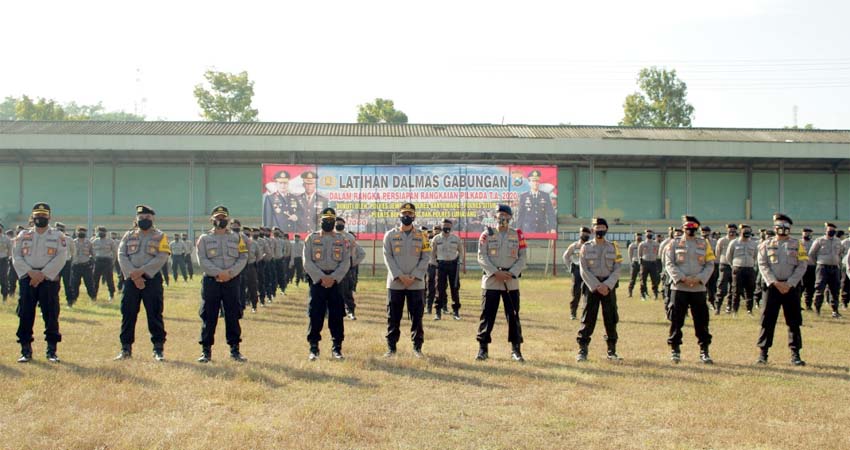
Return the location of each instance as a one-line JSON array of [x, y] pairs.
[[422, 130]]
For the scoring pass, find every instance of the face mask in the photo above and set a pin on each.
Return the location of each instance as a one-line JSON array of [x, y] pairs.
[[327, 226], [601, 233], [40, 222], [691, 232], [830, 233], [782, 231], [585, 237], [145, 224], [81, 235], [648, 236], [447, 230], [220, 223], [807, 237], [236, 230], [504, 221], [255, 236], [406, 220], [101, 235], [339, 227], [748, 234]]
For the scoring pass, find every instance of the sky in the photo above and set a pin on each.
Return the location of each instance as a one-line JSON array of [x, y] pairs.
[[747, 63]]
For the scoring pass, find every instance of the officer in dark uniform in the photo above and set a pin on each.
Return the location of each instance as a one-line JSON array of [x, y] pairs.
[[782, 260], [648, 253], [327, 258], [105, 251], [571, 259], [142, 253], [536, 214], [349, 283], [406, 255], [222, 255], [38, 256], [827, 252], [634, 261], [310, 203], [280, 208], [689, 260], [725, 276], [600, 262]]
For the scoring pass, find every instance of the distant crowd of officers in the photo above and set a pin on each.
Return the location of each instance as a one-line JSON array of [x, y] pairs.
[[244, 266]]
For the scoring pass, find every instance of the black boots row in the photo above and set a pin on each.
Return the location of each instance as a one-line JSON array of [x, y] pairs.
[[26, 353], [516, 353]]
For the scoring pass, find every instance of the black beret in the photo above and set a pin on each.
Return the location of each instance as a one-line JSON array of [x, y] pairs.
[[505, 209], [779, 217], [706, 228], [220, 210], [599, 221], [829, 225], [584, 230], [731, 226], [145, 209]]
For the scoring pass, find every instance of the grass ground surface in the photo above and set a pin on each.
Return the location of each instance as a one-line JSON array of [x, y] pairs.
[[447, 400]]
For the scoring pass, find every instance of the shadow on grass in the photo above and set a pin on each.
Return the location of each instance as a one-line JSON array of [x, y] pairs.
[[746, 370], [82, 321], [315, 375], [113, 373], [218, 369], [388, 366], [630, 368], [498, 370], [7, 371]]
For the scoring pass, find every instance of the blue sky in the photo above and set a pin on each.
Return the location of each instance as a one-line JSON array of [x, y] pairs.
[[747, 63]]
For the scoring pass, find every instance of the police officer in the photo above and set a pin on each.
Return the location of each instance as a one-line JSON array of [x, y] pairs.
[[807, 286], [296, 266], [431, 278], [712, 282], [327, 258], [280, 208], [141, 254], [571, 260], [502, 257], [348, 284], [38, 255], [406, 255], [262, 286], [81, 265], [689, 260], [249, 275], [116, 266], [65, 274], [310, 203], [675, 233], [725, 277], [278, 249], [5, 253], [269, 277], [634, 261], [741, 254], [105, 250], [283, 269], [600, 263], [649, 264], [845, 280], [190, 249], [13, 276], [535, 211], [447, 252], [827, 251], [782, 260], [178, 257]]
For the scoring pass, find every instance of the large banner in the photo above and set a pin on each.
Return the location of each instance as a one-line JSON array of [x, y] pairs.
[[369, 197]]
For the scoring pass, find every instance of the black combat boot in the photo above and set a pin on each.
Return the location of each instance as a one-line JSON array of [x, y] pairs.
[[235, 355], [676, 354], [762, 356], [612, 352], [704, 356], [26, 353], [516, 354], [125, 353], [391, 351], [336, 352], [482, 352], [582, 353], [206, 354], [51, 352], [314, 352], [158, 352], [417, 350], [795, 358]]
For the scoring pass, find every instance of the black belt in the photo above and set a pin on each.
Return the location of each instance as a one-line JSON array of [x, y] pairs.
[[328, 272], [827, 265], [446, 260]]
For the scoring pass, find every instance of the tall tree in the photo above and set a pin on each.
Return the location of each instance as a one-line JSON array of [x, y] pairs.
[[25, 108], [381, 111], [42, 109], [662, 102], [226, 97]]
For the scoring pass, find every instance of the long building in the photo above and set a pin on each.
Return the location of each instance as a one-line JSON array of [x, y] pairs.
[[95, 172]]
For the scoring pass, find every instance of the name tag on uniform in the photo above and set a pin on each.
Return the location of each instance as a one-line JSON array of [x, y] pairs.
[[213, 251], [493, 251], [396, 249], [51, 251], [317, 254]]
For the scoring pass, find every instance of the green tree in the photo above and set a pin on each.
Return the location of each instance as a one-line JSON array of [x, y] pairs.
[[98, 112], [662, 102], [381, 111], [7, 108], [25, 108], [42, 109], [226, 97], [807, 126]]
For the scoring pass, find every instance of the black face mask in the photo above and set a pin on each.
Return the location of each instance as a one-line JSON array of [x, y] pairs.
[[255, 236], [236, 230], [101, 235], [601, 233], [585, 237], [40, 222], [220, 223], [327, 226], [339, 227], [830, 233], [691, 232], [706, 236], [447, 230], [145, 224], [81, 235], [748, 234], [649, 236], [782, 231], [807, 237], [406, 220]]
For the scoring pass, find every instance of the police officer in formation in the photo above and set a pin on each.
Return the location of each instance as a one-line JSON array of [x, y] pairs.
[[249, 288], [116, 266], [741, 255], [783, 261], [327, 258], [38, 255], [283, 265], [179, 254], [65, 274], [296, 267], [190, 250], [349, 283], [725, 269], [105, 253], [845, 280], [431, 278], [571, 260], [807, 286], [81, 265], [649, 264], [278, 249], [634, 262], [689, 261], [406, 255], [5, 258], [222, 255], [600, 262], [827, 253], [447, 251], [711, 287], [502, 256]]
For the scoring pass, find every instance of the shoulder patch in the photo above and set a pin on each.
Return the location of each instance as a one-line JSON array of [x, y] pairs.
[[163, 244], [521, 237], [242, 247]]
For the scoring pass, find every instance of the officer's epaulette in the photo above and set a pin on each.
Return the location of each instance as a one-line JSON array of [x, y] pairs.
[[26, 234]]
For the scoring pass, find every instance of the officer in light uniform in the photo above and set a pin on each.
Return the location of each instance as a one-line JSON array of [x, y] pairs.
[[689, 261], [711, 287], [222, 255], [827, 252], [349, 282], [190, 250], [447, 252], [725, 277], [600, 263], [406, 255], [105, 250], [286, 251], [178, 257], [277, 259], [81, 265], [296, 266], [65, 274], [571, 260], [327, 258], [845, 280], [5, 257], [502, 257], [38, 255], [649, 264], [783, 261], [634, 261], [741, 254], [431, 279]]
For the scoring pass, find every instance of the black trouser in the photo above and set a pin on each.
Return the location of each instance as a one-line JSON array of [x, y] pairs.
[[431, 284], [649, 269], [179, 262], [633, 276], [578, 285], [711, 286], [807, 286], [827, 277], [214, 297], [415, 309], [610, 317], [189, 267], [13, 279], [271, 278], [347, 289], [298, 269], [103, 268], [120, 276], [325, 301], [757, 293], [261, 280], [845, 288], [447, 275], [65, 274], [743, 282], [680, 301], [131, 300], [790, 304], [490, 307], [723, 289], [249, 285], [164, 273], [4, 277], [45, 296], [283, 274], [82, 271]]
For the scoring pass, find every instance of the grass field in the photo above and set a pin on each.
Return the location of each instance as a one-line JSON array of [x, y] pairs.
[[279, 399]]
